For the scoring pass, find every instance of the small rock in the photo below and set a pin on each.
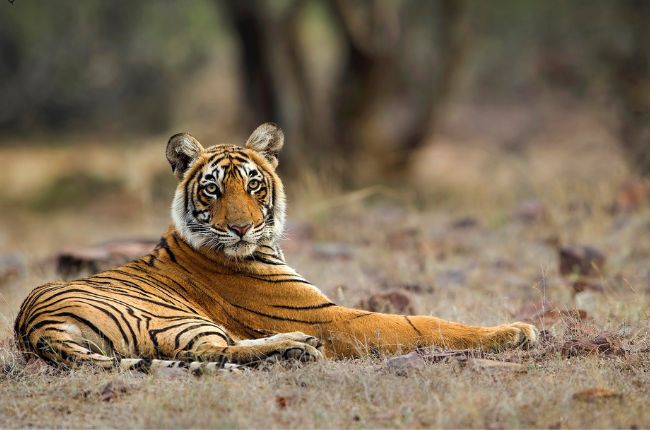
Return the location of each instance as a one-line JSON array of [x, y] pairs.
[[581, 260], [402, 364], [392, 302], [530, 211], [11, 266], [582, 285], [464, 222]]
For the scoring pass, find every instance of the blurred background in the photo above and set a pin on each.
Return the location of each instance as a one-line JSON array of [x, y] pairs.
[[461, 100], [487, 159]]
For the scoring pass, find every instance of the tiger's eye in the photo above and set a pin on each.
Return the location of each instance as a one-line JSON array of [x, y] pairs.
[[211, 188], [253, 184]]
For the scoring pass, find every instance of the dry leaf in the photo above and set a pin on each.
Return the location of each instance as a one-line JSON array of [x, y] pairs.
[[581, 260], [632, 196], [112, 390], [601, 344], [587, 285], [281, 402], [465, 222], [392, 302], [595, 394]]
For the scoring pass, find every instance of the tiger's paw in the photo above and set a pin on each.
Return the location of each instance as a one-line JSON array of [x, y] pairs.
[[301, 337], [293, 350], [516, 335]]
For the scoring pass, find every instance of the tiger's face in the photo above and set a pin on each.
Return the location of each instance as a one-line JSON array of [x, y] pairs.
[[229, 198]]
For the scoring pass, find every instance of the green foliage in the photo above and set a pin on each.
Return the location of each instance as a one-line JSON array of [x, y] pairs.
[[73, 191], [95, 64]]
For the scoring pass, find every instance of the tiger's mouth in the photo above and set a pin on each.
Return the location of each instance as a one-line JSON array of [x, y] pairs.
[[241, 248]]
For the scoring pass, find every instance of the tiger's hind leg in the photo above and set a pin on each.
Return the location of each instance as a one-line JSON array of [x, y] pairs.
[[63, 345]]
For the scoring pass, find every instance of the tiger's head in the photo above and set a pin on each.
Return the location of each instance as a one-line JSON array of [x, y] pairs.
[[229, 198]]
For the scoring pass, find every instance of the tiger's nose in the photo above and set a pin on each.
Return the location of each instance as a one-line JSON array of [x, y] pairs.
[[240, 229]]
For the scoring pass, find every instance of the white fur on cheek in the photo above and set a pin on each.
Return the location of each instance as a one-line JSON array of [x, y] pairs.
[[179, 216], [279, 211]]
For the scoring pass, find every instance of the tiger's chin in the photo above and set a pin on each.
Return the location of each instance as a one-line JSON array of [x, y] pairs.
[[240, 249]]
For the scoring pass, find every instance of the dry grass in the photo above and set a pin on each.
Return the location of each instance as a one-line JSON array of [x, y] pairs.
[[486, 269]]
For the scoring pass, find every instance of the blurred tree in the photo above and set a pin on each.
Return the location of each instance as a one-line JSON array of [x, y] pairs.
[[352, 82], [94, 65], [630, 78], [398, 62]]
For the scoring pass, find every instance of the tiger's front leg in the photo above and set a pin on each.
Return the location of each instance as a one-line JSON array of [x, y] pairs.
[[252, 352]]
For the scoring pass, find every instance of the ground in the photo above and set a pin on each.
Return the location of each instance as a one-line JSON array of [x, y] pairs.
[[477, 243]]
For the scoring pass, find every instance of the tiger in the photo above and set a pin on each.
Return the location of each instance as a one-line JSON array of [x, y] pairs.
[[216, 292]]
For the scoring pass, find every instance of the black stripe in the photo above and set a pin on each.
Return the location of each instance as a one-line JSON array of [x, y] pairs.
[[188, 346], [262, 260], [143, 365], [173, 281], [413, 326], [176, 242], [301, 308], [135, 286], [188, 183], [231, 318], [164, 245], [90, 325], [102, 301], [280, 281], [31, 327], [362, 315], [279, 318], [177, 339], [157, 287], [38, 325], [26, 309], [125, 338]]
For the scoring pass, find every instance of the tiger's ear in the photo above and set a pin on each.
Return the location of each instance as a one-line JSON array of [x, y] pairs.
[[267, 139], [182, 151]]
